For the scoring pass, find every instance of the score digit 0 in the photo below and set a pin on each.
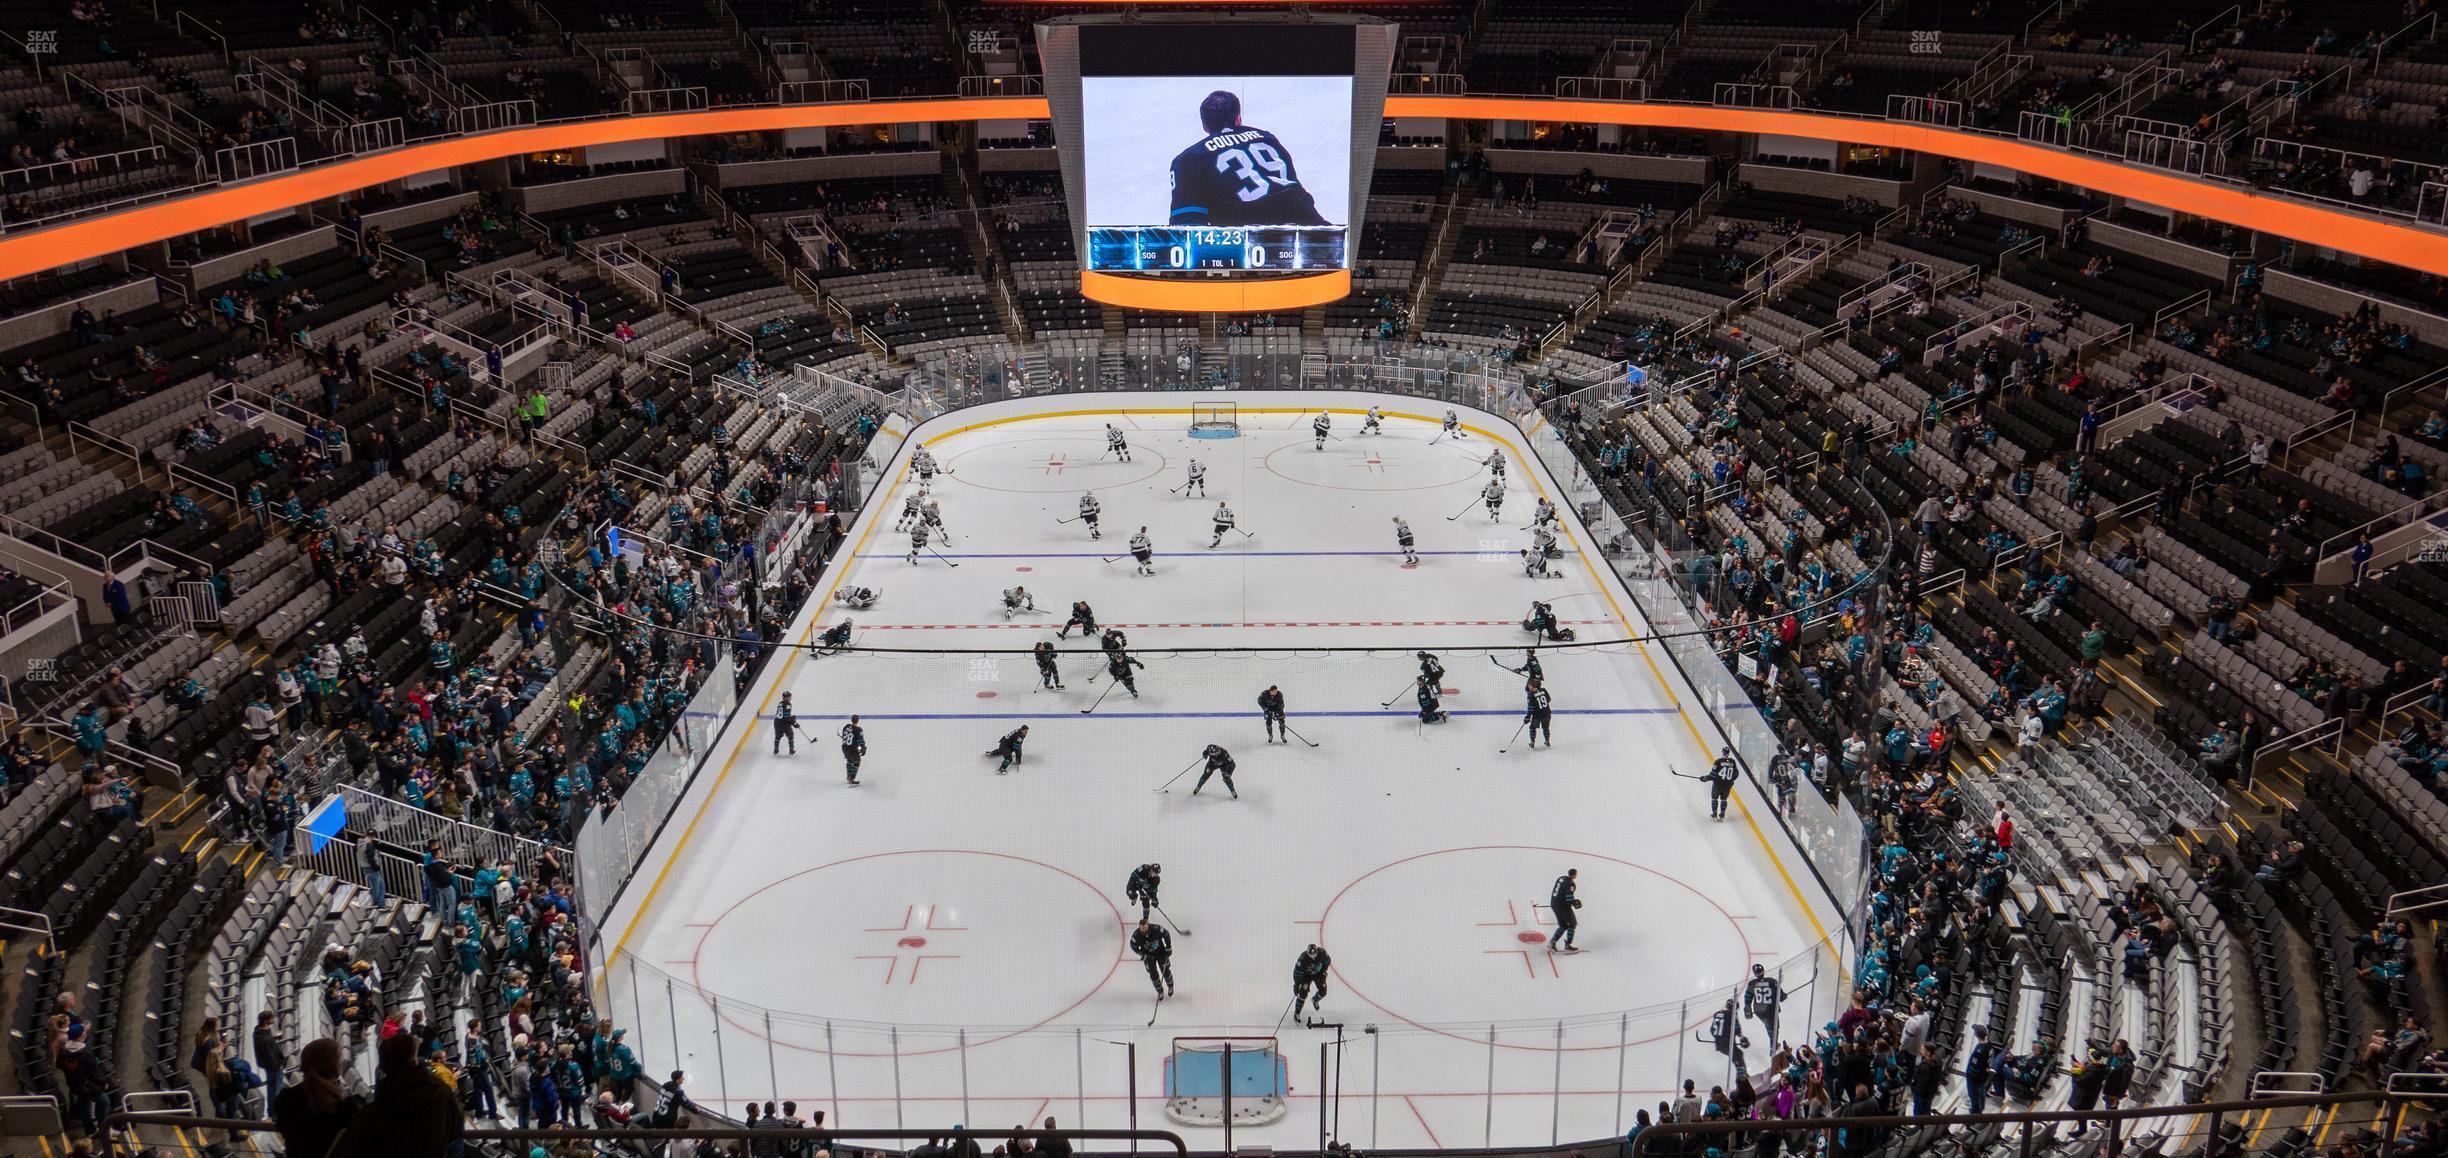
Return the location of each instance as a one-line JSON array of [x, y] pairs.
[[1254, 256], [1177, 257]]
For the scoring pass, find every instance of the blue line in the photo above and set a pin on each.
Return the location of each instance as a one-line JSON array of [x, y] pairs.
[[1233, 715], [1195, 553]]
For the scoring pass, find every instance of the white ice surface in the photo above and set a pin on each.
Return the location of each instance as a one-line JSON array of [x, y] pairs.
[[939, 905]]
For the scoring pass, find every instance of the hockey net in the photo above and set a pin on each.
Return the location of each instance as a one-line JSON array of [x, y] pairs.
[[1202, 1069], [1215, 419]]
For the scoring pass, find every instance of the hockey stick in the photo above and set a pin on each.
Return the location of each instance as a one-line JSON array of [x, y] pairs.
[[1475, 501], [1439, 434], [1100, 700], [1516, 734], [1687, 775], [1287, 1015], [1115, 559], [1245, 534], [1168, 917], [1076, 518], [1399, 694], [1303, 739], [1169, 783], [939, 554], [1500, 666], [1159, 1007]]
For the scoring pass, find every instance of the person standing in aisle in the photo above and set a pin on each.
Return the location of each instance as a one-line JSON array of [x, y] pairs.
[[1564, 900], [854, 747], [1271, 708]]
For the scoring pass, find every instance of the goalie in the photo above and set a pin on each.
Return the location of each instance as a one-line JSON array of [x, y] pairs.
[[858, 598], [1542, 621]]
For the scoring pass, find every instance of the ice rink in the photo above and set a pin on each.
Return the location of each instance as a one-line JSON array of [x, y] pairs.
[[942, 943]]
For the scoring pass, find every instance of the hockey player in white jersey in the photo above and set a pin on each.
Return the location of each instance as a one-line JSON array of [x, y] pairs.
[[1223, 518], [1453, 425], [1546, 513], [860, 598], [918, 542], [933, 517], [1370, 423], [1017, 600], [1543, 540], [1144, 550], [1197, 480], [1319, 426], [922, 461], [1402, 538], [1115, 444], [1089, 510], [1495, 463], [1493, 495]]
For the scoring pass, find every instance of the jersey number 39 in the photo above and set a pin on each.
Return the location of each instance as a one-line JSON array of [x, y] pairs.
[[1254, 167]]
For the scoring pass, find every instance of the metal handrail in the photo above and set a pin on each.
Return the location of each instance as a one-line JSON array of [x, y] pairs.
[[116, 1123]]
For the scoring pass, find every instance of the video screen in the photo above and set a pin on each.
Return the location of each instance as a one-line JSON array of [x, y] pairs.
[[1216, 147]]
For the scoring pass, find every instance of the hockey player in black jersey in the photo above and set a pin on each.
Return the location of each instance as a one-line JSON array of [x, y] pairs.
[[1762, 995], [1431, 672], [1155, 949], [1082, 617], [1535, 712], [1009, 748], [1142, 886], [1237, 175], [1047, 674], [1430, 711], [1118, 665], [1271, 706], [1564, 900], [1309, 979], [854, 746], [1721, 783], [1219, 762], [786, 726]]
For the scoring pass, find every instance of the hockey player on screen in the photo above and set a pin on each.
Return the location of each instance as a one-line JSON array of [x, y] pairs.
[[1089, 510], [1144, 549], [1237, 175], [1370, 422], [853, 746], [1542, 620], [1017, 600], [786, 726], [1429, 711], [1495, 463], [1048, 676], [1009, 748], [1762, 995], [918, 541], [858, 598], [835, 638], [1271, 708], [1118, 665], [1082, 617], [913, 510], [1536, 713], [1309, 979], [1493, 495], [1223, 522], [1319, 426], [1219, 762], [1453, 425], [1546, 513], [1432, 673], [1155, 949], [922, 460], [1564, 901], [1721, 783], [1197, 480], [1142, 886], [1403, 539], [1115, 444]]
